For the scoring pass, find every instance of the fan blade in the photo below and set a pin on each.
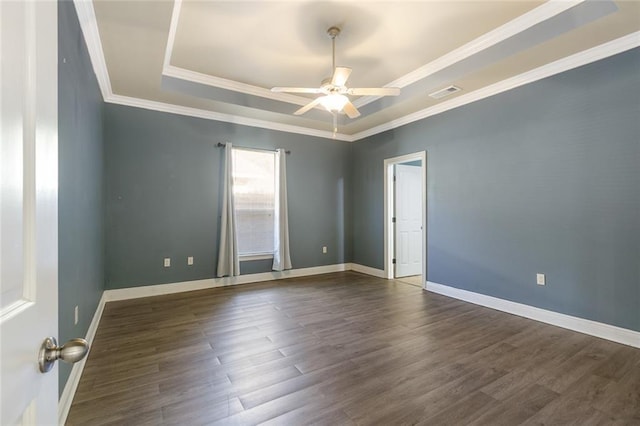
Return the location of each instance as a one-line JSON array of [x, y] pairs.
[[374, 91], [296, 89], [308, 106], [340, 76], [351, 110]]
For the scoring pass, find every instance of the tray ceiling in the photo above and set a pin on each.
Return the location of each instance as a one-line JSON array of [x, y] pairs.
[[218, 59]]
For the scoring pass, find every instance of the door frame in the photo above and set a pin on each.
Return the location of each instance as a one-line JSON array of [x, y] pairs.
[[389, 197]]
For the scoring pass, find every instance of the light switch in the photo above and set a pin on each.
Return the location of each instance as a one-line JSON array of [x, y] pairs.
[[167, 262], [540, 279]]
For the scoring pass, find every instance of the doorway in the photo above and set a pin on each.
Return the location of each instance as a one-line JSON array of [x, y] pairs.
[[405, 233]]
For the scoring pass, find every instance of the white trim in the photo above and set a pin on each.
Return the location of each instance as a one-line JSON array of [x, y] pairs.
[[236, 86], [581, 325], [179, 287], [250, 257], [597, 53], [86, 16], [210, 80], [523, 22], [605, 331], [540, 14], [388, 209], [66, 399], [64, 404], [14, 309], [88, 24], [161, 289], [367, 270], [218, 116], [173, 28]]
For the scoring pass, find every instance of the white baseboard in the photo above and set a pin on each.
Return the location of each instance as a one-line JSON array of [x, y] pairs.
[[581, 325], [160, 289], [593, 328], [367, 270], [64, 404]]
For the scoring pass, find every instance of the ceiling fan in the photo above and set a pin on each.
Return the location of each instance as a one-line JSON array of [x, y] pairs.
[[334, 90]]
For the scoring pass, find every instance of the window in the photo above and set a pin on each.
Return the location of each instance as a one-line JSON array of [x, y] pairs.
[[254, 192]]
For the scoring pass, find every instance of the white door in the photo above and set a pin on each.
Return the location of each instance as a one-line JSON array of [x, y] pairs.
[[28, 208], [408, 214]]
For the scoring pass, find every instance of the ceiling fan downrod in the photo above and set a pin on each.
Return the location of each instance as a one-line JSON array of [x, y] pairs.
[[333, 32], [334, 91]]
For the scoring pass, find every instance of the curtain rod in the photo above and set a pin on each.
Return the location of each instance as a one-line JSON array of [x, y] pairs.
[[221, 145]]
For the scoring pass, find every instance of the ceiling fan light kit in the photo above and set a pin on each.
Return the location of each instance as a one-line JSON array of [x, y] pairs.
[[334, 90], [334, 102]]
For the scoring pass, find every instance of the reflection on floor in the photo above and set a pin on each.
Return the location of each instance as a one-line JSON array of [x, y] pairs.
[[413, 280]]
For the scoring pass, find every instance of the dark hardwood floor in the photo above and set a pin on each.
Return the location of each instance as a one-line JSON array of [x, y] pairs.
[[345, 348]]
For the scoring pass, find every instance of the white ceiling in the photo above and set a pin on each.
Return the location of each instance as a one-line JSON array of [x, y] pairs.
[[218, 59]]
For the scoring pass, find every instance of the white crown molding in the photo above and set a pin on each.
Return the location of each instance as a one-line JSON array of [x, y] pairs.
[[236, 86], [213, 81], [86, 16], [218, 116], [89, 25], [540, 14], [597, 53], [511, 28], [173, 29], [64, 404], [581, 325]]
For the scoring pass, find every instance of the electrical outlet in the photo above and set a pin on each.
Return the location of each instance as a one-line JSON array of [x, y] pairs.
[[324, 249], [75, 315], [167, 262], [190, 260], [540, 279]]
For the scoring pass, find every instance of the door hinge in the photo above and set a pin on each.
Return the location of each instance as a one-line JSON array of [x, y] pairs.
[[394, 178], [393, 220], [393, 261]]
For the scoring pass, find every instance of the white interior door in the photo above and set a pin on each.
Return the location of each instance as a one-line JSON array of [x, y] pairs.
[[28, 209], [408, 214]]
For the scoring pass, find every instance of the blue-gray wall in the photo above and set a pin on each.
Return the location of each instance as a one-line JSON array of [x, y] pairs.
[[80, 198], [544, 178], [163, 183]]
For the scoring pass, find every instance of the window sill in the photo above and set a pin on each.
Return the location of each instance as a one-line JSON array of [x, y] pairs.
[[249, 257]]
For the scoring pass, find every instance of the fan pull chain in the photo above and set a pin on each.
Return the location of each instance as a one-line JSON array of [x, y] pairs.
[[335, 124]]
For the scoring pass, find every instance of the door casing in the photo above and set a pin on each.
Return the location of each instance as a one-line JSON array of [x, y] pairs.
[[388, 211]]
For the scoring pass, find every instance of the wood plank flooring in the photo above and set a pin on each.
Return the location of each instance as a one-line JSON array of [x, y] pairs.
[[413, 280], [345, 348]]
